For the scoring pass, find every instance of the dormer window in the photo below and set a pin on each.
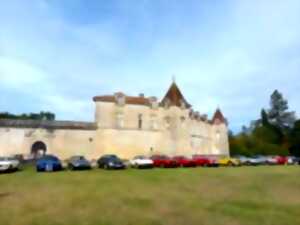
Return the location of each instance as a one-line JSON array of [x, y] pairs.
[[153, 102], [167, 103], [120, 99], [182, 104]]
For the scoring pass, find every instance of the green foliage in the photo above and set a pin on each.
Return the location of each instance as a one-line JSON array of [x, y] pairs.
[[294, 139], [278, 114], [274, 133], [32, 116]]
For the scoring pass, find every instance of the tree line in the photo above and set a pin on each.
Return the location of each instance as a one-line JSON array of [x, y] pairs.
[[30, 116], [276, 132]]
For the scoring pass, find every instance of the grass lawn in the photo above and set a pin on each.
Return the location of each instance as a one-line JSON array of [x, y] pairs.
[[209, 196]]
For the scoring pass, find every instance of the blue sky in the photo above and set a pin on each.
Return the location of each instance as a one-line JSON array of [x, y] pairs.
[[57, 54]]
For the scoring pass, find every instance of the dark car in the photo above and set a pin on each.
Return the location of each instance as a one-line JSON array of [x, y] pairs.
[[110, 162], [48, 163], [78, 163], [164, 161]]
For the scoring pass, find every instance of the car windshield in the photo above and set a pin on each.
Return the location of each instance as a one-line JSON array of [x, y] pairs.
[[117, 160], [78, 158], [140, 157], [111, 156], [179, 157], [50, 157]]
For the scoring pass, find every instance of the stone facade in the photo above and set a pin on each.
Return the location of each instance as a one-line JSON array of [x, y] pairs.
[[124, 125]]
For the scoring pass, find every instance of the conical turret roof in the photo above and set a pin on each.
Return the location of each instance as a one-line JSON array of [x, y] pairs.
[[174, 97], [218, 117]]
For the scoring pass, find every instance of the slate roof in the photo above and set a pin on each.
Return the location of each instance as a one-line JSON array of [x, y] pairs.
[[218, 117], [72, 125], [174, 97], [134, 100]]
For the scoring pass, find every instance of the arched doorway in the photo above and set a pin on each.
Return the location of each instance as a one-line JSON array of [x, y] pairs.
[[38, 149]]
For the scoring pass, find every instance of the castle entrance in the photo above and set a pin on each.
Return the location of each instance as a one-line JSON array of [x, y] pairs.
[[38, 149]]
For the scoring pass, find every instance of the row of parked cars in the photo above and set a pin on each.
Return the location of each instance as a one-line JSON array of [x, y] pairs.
[[52, 163]]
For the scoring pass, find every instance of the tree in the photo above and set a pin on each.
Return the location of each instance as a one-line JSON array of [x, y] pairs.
[[274, 133], [32, 116], [294, 139], [278, 115]]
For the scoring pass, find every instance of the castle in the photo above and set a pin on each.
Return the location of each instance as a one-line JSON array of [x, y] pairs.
[[124, 125]]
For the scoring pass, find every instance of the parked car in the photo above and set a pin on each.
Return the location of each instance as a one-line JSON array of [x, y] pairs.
[[205, 161], [78, 162], [110, 162], [48, 163], [8, 164], [184, 161], [260, 159], [248, 161], [141, 162], [292, 160], [164, 161], [282, 160], [228, 161], [271, 160]]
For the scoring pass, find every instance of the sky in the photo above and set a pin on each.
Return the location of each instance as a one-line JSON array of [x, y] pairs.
[[55, 55]]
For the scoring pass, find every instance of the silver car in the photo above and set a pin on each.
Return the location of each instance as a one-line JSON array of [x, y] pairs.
[[9, 164], [248, 161], [260, 159]]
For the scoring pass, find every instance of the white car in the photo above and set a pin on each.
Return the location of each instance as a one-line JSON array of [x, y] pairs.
[[8, 164], [141, 162], [271, 160]]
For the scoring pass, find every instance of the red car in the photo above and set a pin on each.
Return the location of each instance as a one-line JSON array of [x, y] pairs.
[[205, 161], [281, 160], [164, 161], [184, 161]]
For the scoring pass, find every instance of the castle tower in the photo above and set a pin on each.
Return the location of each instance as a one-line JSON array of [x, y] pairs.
[[177, 113], [221, 144]]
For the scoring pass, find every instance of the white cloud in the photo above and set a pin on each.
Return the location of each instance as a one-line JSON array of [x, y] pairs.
[[18, 74], [232, 57]]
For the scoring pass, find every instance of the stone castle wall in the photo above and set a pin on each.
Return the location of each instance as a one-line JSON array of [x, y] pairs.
[[123, 129]]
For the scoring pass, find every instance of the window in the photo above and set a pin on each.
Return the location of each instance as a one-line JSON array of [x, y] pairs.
[[120, 120], [218, 136], [153, 122], [168, 121], [140, 121]]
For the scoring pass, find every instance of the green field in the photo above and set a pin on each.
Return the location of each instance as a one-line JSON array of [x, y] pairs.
[[213, 196]]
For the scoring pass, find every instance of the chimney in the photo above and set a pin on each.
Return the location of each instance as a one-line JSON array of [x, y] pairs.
[[142, 95]]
